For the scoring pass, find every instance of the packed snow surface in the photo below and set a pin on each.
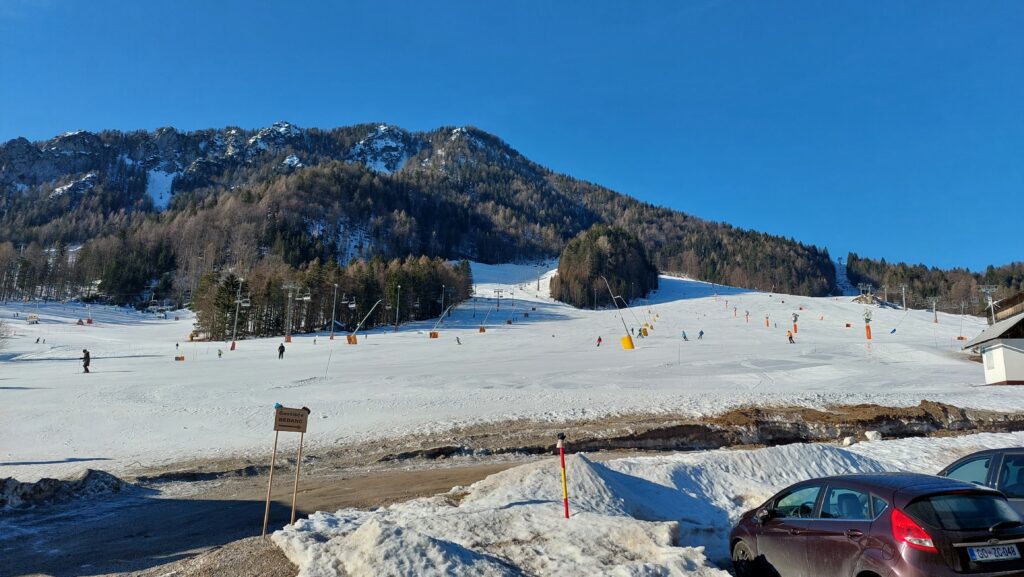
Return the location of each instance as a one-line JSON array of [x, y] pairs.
[[665, 515], [141, 408]]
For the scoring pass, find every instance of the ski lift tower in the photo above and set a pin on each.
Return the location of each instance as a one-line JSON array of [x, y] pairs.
[[334, 310], [866, 288], [988, 290], [239, 302], [291, 288], [903, 289]]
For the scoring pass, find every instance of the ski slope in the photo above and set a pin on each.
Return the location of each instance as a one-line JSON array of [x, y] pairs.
[[140, 408]]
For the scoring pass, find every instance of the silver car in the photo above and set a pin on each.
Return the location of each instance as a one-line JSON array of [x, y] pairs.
[[1001, 469]]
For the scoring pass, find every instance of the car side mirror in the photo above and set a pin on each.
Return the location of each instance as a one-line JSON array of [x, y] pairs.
[[762, 515]]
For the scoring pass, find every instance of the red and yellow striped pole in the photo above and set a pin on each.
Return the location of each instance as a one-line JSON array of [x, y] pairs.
[[565, 487]]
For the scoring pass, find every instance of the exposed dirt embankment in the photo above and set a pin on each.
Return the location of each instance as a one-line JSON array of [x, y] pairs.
[[760, 426], [15, 494]]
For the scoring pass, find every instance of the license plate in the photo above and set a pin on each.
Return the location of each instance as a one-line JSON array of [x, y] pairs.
[[996, 553]]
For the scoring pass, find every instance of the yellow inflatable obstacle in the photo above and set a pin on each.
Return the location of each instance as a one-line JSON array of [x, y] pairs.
[[627, 343]]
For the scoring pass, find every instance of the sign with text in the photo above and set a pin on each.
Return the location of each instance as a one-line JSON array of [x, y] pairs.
[[291, 420]]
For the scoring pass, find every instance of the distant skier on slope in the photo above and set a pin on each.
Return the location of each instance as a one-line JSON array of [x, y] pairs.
[[86, 358], [280, 351], [684, 336], [700, 335], [458, 341], [598, 341], [789, 335]]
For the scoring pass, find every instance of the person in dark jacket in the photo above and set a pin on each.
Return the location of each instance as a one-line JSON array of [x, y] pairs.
[[280, 351], [85, 360]]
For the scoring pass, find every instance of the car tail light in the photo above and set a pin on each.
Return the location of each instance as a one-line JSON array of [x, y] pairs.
[[905, 530]]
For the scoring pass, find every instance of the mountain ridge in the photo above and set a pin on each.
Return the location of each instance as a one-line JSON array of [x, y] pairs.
[[236, 196]]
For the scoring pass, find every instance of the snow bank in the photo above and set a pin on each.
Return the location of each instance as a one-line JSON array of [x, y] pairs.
[[664, 515], [508, 524]]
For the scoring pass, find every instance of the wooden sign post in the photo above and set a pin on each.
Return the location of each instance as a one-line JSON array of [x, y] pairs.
[[288, 420]]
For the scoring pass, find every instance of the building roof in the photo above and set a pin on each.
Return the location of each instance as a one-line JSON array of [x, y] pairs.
[[1009, 306], [995, 331]]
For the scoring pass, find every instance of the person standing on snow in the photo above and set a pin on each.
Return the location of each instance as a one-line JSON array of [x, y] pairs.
[[458, 341], [598, 341], [700, 335], [684, 336], [85, 360], [280, 351], [790, 335]]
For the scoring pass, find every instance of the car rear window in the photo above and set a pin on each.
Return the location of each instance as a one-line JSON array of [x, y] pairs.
[[962, 511]]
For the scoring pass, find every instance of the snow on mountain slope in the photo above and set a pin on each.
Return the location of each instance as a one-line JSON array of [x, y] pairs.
[[140, 407], [385, 150], [664, 515], [843, 281], [158, 187]]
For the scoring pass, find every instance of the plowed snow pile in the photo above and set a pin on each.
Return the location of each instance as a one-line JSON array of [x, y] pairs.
[[667, 515]]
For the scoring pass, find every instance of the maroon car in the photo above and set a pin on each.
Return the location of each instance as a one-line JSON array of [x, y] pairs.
[[880, 525]]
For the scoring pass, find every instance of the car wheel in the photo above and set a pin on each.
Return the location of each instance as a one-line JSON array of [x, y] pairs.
[[742, 560]]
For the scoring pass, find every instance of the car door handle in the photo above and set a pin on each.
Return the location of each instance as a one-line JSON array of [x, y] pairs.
[[854, 534]]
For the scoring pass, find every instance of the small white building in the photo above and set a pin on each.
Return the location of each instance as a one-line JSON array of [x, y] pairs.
[[1002, 351]]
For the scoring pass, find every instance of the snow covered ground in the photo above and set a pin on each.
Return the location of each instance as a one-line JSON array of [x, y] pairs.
[[665, 515], [139, 407]]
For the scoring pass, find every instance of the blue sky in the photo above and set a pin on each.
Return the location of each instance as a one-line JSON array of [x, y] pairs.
[[893, 129]]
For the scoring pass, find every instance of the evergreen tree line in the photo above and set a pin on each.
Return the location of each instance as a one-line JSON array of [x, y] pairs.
[[599, 255], [274, 299], [952, 287]]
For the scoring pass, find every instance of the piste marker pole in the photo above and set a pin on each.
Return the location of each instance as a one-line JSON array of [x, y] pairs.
[[565, 487]]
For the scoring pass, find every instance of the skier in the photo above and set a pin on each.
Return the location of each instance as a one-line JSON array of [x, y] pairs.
[[175, 346], [314, 340], [684, 336], [85, 360], [458, 341], [37, 340], [280, 351], [598, 341], [700, 335], [790, 335], [220, 353]]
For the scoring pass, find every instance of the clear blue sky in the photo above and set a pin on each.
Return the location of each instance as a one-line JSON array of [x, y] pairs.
[[894, 129]]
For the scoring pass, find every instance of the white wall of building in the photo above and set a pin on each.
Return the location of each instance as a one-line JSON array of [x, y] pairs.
[[1003, 360]]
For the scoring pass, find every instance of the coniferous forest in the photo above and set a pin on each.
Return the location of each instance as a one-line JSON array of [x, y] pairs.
[[137, 217], [953, 288], [601, 263]]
